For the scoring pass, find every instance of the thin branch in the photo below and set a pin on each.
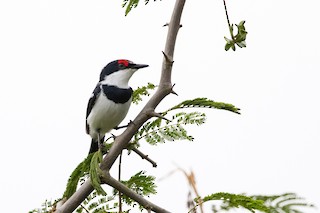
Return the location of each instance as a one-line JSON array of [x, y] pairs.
[[121, 142], [143, 156], [225, 9]]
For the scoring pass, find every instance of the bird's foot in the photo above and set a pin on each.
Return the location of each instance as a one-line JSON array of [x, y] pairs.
[[101, 145]]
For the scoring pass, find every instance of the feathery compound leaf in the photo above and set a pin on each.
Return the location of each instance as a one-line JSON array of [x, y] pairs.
[[156, 131], [235, 201], [141, 183], [141, 91], [97, 203], [288, 202], [80, 171], [94, 172], [205, 103]]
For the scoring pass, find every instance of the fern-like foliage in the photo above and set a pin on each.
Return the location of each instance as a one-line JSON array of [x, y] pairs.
[[46, 207], [205, 103], [141, 91], [96, 203], [160, 130], [284, 203], [235, 201], [78, 173], [140, 183]]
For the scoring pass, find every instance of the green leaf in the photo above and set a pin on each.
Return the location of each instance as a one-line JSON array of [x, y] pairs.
[[238, 39], [156, 131], [205, 103], [79, 172], [129, 4], [95, 173], [141, 184], [142, 91], [287, 202], [235, 201], [241, 44]]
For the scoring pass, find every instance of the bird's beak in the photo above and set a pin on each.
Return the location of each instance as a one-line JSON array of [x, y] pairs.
[[139, 66]]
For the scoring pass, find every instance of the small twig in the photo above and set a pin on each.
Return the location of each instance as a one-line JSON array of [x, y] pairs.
[[225, 9], [84, 208], [143, 156]]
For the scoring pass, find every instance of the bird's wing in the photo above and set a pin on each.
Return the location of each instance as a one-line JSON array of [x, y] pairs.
[[91, 103]]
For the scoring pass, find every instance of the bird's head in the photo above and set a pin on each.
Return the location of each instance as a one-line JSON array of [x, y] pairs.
[[119, 72]]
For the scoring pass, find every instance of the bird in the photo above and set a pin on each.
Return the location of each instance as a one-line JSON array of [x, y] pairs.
[[110, 101]]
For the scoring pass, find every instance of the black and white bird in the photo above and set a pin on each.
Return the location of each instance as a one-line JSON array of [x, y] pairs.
[[110, 100]]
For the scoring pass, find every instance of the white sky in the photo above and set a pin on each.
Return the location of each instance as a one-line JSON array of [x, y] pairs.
[[53, 51]]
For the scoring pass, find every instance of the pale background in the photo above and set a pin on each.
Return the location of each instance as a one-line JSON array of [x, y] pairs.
[[51, 54]]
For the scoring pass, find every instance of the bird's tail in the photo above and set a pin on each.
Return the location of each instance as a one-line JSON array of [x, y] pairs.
[[95, 145]]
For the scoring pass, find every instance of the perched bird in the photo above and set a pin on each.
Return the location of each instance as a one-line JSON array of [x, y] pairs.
[[110, 100]]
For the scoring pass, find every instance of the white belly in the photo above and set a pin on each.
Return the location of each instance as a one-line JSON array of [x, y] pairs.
[[106, 115]]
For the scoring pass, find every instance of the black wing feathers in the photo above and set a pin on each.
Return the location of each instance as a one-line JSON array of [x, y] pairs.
[[91, 103]]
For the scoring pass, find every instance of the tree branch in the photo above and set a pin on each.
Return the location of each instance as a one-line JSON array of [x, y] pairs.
[[143, 156], [121, 142], [108, 179]]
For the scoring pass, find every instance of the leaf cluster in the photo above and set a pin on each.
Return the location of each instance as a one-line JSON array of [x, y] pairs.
[[141, 184], [239, 39], [96, 203], [235, 201], [283, 203], [160, 130], [76, 176], [46, 207], [129, 4], [205, 103], [141, 91]]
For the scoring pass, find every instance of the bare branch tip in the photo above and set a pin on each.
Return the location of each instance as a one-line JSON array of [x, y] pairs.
[[145, 157]]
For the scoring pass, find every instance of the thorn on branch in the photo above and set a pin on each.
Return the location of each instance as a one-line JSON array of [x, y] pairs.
[[167, 24], [172, 91], [168, 60], [158, 115]]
